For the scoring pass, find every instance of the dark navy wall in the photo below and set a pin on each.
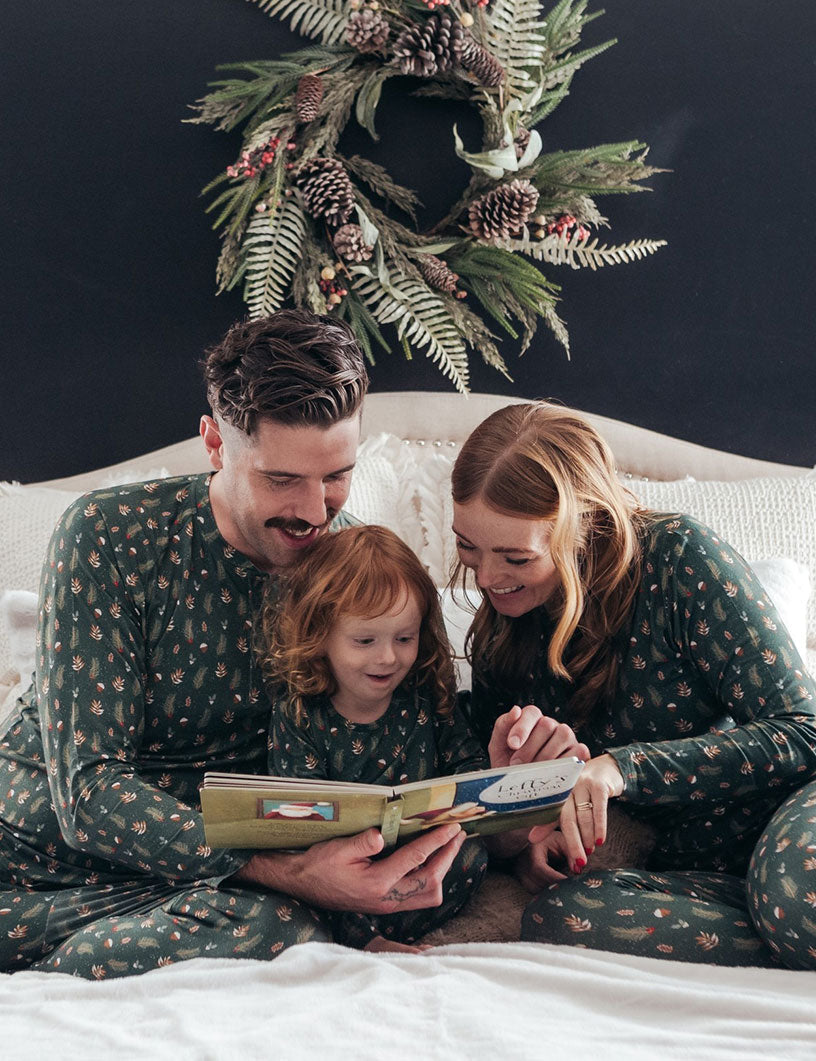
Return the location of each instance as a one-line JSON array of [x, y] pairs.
[[107, 281]]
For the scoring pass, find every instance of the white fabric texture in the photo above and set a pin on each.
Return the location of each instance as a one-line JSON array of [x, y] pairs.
[[28, 516], [759, 517], [468, 1001]]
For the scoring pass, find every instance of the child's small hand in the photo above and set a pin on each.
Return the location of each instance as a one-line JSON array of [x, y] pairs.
[[542, 862], [524, 735], [381, 945]]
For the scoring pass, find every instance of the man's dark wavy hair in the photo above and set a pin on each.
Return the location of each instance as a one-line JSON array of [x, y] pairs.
[[294, 367]]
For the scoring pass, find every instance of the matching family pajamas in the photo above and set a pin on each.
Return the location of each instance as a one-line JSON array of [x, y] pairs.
[[713, 726], [410, 742], [145, 664]]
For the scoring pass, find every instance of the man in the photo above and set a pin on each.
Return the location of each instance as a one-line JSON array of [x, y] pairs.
[[146, 677]]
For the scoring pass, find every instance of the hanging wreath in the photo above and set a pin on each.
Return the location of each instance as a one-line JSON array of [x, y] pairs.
[[301, 221]]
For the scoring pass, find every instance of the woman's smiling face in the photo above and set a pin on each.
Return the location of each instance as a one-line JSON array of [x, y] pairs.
[[509, 556]]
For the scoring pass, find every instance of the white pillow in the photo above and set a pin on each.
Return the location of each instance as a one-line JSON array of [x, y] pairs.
[[28, 516], [758, 517], [383, 491]]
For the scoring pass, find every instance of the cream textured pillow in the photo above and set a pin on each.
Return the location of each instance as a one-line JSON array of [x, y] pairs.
[[759, 517], [28, 516], [383, 491]]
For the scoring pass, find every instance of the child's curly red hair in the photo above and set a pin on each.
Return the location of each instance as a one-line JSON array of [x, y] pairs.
[[361, 571]]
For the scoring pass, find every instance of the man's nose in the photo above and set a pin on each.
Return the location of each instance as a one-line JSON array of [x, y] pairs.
[[311, 504]]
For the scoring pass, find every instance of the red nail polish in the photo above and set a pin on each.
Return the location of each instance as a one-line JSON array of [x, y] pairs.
[[579, 864], [589, 850], [599, 843]]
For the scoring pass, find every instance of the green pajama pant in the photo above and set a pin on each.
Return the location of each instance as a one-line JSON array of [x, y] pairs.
[[158, 925], [196, 922], [765, 919]]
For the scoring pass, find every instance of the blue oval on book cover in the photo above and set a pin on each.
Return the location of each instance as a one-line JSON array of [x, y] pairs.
[[517, 788]]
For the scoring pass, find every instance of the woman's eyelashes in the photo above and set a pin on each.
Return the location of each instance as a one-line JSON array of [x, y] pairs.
[[514, 562]]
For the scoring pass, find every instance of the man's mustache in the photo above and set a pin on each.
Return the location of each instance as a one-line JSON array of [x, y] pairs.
[[298, 526]]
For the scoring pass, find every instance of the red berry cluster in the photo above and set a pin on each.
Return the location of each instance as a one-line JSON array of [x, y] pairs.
[[332, 288], [431, 4], [254, 162], [564, 226]]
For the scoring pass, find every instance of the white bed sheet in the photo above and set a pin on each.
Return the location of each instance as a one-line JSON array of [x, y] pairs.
[[322, 1001]]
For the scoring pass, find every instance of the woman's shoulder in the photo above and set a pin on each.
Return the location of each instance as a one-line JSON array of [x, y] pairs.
[[673, 535]]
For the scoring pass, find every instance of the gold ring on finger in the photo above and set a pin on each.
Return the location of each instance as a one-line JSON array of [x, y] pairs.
[[584, 806]]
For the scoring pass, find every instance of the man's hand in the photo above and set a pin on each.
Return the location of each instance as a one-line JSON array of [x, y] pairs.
[[524, 735], [344, 874]]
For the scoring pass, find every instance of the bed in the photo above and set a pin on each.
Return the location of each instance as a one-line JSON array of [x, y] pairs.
[[477, 991]]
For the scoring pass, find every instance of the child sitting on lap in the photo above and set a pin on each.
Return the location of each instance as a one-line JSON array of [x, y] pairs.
[[363, 690]]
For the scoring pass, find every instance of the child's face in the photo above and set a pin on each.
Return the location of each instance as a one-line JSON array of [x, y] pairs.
[[370, 657]]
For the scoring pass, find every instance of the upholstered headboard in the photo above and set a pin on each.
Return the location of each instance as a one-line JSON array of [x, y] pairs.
[[434, 417]]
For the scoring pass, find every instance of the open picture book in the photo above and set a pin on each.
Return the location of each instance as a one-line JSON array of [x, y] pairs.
[[245, 810]]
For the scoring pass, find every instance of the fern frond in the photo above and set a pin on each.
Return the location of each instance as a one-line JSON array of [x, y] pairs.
[[580, 254], [514, 35], [324, 19], [421, 320], [272, 247]]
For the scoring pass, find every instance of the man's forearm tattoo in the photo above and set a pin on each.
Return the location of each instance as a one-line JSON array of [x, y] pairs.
[[400, 892]]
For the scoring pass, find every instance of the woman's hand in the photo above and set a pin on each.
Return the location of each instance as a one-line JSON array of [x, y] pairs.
[[524, 735], [536, 865], [583, 816]]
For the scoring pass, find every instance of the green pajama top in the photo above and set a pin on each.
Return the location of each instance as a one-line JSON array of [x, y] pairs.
[[145, 678], [409, 742], [713, 722]]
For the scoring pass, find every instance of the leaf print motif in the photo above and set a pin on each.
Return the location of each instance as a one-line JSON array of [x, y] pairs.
[[731, 589], [638, 662], [768, 622], [707, 940], [670, 776], [703, 627], [77, 663], [711, 751], [577, 924], [683, 689], [357, 746], [634, 934], [810, 899], [76, 585], [221, 670]]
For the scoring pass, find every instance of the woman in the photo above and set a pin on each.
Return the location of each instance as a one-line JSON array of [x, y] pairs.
[[653, 639]]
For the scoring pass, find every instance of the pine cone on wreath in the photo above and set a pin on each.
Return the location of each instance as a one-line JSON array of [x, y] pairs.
[[308, 95], [350, 245], [367, 31], [521, 141], [485, 67], [438, 274], [326, 190], [431, 47], [503, 211]]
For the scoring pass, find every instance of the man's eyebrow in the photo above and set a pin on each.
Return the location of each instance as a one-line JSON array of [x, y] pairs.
[[498, 549], [296, 475]]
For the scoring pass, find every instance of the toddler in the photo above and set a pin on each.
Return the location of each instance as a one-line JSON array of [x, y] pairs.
[[362, 682]]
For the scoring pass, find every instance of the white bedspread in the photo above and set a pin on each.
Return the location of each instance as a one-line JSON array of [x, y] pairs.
[[475, 1001]]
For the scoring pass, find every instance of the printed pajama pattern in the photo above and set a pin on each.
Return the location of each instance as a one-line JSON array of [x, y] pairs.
[[145, 679], [713, 726], [410, 742]]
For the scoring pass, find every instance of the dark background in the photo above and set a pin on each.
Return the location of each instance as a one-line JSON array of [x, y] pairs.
[[108, 262]]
